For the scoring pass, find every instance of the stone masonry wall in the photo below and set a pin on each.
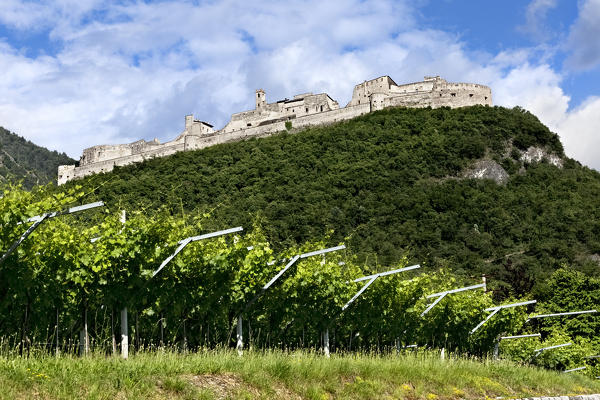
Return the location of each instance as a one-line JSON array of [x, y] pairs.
[[302, 111], [328, 117]]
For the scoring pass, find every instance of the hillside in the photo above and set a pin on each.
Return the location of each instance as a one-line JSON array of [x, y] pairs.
[[23, 161], [393, 184]]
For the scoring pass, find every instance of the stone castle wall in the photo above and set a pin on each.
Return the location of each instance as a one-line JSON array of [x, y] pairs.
[[302, 111]]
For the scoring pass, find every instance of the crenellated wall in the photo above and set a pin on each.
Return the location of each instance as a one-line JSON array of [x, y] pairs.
[[267, 118]]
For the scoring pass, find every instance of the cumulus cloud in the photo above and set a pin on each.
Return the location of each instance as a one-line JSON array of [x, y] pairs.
[[583, 42], [580, 132], [536, 88], [535, 19], [133, 70]]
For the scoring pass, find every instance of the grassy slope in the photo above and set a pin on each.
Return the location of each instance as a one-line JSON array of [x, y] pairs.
[[385, 181], [23, 161], [276, 375]]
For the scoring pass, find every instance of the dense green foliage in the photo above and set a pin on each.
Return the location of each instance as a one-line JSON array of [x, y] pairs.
[[388, 183], [71, 269], [59, 272], [23, 161]]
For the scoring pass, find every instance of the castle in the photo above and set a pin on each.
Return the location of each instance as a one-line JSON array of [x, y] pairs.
[[267, 118]]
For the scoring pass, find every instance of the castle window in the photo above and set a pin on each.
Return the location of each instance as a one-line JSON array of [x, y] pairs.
[[306, 109], [453, 94], [470, 94], [486, 97], [440, 95], [248, 124], [321, 108]]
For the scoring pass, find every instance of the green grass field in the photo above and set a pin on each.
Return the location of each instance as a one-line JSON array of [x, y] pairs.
[[222, 374]]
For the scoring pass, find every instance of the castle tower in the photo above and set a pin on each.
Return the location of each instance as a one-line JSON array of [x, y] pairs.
[[376, 100], [189, 120], [261, 99]]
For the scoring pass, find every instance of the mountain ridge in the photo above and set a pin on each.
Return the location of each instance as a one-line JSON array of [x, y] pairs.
[[23, 161]]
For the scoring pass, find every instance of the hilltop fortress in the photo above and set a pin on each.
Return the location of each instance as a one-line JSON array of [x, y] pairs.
[[267, 118]]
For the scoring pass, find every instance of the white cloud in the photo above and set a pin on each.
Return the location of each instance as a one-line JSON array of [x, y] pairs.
[[583, 40], [137, 68], [535, 88], [40, 15], [580, 132], [535, 19]]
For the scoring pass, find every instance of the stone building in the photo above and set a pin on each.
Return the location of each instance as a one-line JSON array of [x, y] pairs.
[[301, 111]]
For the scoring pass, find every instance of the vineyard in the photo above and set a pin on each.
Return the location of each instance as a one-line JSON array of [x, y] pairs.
[[65, 288]]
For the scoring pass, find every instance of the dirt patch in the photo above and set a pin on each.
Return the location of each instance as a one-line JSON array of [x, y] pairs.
[[281, 392], [226, 385], [222, 385]]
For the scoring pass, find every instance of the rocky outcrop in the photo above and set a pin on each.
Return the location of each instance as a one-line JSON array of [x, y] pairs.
[[487, 169], [538, 154]]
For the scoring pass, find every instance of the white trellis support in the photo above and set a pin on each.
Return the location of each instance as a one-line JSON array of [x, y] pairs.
[[38, 219], [557, 346], [124, 322], [497, 345], [240, 338], [291, 262], [562, 314], [373, 278], [494, 310], [370, 279], [124, 334], [441, 295], [573, 370], [521, 336], [186, 241], [182, 244]]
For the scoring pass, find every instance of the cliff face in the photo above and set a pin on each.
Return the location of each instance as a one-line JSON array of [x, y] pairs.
[[23, 161]]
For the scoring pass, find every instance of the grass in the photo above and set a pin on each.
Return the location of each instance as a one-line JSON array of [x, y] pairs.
[[221, 374]]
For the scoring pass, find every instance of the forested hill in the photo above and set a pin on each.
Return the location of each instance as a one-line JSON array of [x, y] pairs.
[[393, 183], [23, 161]]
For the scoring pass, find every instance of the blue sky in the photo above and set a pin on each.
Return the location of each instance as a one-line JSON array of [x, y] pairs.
[[77, 73]]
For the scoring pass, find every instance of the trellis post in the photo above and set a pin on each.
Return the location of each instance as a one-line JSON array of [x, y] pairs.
[[370, 279], [291, 262]]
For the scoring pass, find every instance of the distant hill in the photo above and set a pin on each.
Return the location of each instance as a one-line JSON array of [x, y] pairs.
[[23, 161], [393, 183]]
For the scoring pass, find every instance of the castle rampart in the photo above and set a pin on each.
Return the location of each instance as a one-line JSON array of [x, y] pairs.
[[301, 111]]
